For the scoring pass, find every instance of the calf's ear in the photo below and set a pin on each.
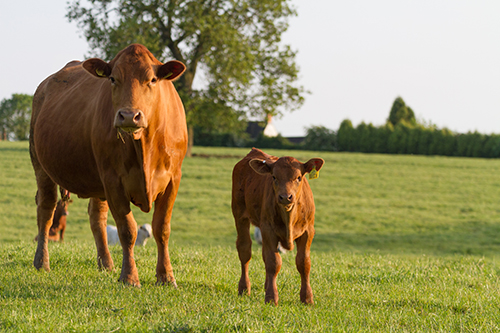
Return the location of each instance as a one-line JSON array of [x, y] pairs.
[[313, 163], [171, 70], [260, 166], [97, 67]]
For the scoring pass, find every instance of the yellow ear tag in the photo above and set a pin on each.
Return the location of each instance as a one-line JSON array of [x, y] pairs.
[[99, 72], [168, 75], [314, 173]]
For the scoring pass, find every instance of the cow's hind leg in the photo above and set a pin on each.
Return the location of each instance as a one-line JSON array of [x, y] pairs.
[[98, 215], [244, 247], [303, 262], [46, 199], [164, 205]]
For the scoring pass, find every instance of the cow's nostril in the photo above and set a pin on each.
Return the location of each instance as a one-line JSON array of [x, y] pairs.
[[290, 197], [137, 117]]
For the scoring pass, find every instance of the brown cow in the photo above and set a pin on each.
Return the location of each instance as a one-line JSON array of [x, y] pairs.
[[274, 195], [115, 133]]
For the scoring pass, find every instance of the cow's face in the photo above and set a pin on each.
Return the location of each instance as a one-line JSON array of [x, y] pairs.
[[135, 77], [287, 175]]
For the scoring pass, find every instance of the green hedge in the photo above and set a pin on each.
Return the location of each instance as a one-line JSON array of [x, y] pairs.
[[404, 138], [417, 139]]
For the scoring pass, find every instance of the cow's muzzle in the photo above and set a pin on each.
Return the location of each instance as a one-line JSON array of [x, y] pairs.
[[130, 120]]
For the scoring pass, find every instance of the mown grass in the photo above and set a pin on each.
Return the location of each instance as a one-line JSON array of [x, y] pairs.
[[403, 243]]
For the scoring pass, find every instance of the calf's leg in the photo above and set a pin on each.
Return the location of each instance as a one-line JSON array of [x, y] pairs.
[[244, 247], [98, 215], [303, 263], [272, 261]]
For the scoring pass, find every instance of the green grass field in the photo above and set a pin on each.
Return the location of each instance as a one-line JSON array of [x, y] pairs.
[[403, 244]]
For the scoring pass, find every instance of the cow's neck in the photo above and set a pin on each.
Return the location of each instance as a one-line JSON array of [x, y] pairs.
[[137, 180]]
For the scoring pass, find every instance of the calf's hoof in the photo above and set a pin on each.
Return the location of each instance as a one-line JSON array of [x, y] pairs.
[[306, 296], [164, 280], [271, 300]]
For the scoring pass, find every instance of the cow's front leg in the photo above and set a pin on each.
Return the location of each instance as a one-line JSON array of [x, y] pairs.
[[272, 261], [98, 215], [127, 232], [164, 205], [46, 199], [303, 263]]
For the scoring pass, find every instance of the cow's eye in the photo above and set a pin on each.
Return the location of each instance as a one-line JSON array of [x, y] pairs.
[[154, 80], [112, 79], [299, 179], [274, 178]]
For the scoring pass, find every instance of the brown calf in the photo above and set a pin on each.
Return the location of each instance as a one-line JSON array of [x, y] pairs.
[[273, 194], [58, 227]]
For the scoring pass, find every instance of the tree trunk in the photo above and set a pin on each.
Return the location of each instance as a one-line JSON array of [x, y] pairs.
[[190, 141]]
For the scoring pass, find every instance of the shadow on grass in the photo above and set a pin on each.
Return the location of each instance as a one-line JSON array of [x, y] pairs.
[[466, 238], [14, 149]]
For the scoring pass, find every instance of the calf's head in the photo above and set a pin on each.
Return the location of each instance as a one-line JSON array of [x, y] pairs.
[[135, 77], [287, 175]]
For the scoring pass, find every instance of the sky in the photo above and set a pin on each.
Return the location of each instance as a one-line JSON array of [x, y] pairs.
[[355, 58]]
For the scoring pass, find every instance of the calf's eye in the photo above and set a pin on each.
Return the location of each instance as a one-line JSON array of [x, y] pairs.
[[299, 179]]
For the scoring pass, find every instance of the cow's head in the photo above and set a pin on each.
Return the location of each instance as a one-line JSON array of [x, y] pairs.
[[135, 76], [287, 175]]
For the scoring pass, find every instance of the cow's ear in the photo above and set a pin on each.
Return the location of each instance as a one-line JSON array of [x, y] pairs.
[[313, 163], [97, 67], [171, 70], [260, 166]]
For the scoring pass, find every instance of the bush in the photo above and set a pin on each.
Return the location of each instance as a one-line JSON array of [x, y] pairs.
[[319, 138]]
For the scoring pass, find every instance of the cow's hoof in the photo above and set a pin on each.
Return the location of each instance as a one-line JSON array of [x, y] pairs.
[[43, 267], [105, 264], [244, 288], [308, 301], [130, 282], [40, 263]]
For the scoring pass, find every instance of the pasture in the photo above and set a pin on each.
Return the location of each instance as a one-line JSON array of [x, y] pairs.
[[403, 244]]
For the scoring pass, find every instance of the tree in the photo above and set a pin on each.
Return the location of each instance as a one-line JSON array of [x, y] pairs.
[[400, 112], [15, 115], [346, 136], [235, 44], [319, 138]]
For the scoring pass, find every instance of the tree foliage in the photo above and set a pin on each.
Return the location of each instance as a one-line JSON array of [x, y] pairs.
[[15, 115], [236, 45], [400, 112], [319, 138]]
